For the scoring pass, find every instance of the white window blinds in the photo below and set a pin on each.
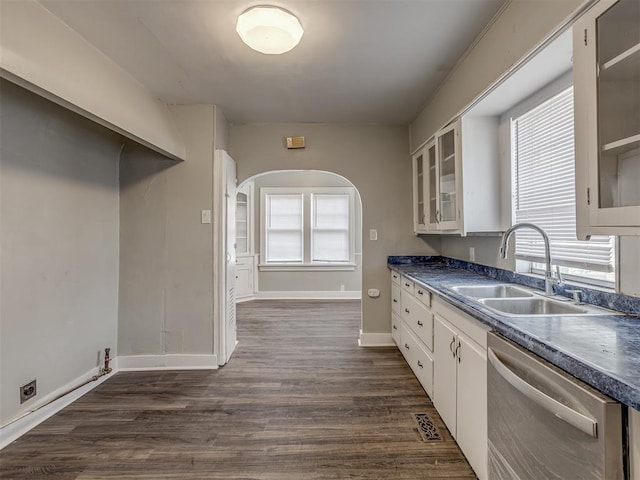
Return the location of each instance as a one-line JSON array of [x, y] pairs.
[[544, 188], [330, 228], [284, 231]]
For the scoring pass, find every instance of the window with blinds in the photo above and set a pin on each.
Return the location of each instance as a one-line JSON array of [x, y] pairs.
[[330, 227], [284, 228], [307, 227], [544, 188]]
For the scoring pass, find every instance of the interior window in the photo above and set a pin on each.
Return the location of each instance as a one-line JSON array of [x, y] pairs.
[[308, 227], [544, 194]]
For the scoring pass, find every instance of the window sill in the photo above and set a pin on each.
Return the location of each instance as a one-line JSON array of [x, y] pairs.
[[308, 267]]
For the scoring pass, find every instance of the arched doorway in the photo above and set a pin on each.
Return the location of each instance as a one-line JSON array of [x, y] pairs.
[[313, 275]]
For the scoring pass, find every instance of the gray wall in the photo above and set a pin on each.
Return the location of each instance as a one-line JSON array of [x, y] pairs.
[[166, 254], [307, 280], [522, 25], [372, 157], [59, 237]]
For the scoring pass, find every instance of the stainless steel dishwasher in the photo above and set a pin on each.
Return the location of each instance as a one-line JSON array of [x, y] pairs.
[[544, 424]]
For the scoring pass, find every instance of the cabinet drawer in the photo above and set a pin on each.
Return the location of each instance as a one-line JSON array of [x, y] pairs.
[[418, 318], [395, 277], [422, 294], [396, 329], [395, 299], [407, 285], [419, 360]]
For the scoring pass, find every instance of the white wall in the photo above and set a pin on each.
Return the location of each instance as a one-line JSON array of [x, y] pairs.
[[308, 281], [166, 255], [372, 157], [59, 237]]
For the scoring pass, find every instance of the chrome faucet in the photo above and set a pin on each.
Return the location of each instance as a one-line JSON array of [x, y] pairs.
[[549, 280]]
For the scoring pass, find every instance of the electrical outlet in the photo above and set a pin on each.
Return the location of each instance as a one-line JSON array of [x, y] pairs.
[[28, 391], [472, 254]]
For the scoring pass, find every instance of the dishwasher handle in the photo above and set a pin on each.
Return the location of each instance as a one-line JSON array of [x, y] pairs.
[[581, 422]]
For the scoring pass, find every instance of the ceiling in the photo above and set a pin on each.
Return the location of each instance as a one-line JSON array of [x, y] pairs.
[[359, 61]]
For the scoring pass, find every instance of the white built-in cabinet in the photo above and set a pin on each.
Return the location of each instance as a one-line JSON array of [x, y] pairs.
[[460, 380], [245, 256], [447, 351], [606, 43], [412, 327], [456, 180]]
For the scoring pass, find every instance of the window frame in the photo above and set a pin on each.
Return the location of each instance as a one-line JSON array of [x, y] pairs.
[[307, 228], [507, 144]]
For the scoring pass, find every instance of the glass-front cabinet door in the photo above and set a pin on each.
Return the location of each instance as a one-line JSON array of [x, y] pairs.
[[447, 182], [432, 190], [243, 220], [607, 79], [419, 192]]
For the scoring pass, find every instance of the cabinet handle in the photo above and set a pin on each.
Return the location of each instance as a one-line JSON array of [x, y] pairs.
[[406, 346], [457, 352], [453, 340], [407, 310], [438, 216], [395, 301], [420, 292], [395, 328], [419, 323], [407, 284], [420, 364]]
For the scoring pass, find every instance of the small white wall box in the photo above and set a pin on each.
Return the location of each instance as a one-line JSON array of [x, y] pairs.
[[295, 142]]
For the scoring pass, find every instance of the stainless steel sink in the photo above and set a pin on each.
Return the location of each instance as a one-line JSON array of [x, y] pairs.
[[491, 291], [532, 306]]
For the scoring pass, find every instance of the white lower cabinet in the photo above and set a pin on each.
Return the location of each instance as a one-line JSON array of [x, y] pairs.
[[396, 329], [412, 327], [245, 273], [419, 359], [460, 381], [447, 351]]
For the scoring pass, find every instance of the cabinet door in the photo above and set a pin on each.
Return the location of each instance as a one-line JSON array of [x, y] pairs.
[[244, 277], [448, 162], [419, 192], [431, 171], [396, 329], [395, 299], [607, 108], [444, 378], [471, 432]]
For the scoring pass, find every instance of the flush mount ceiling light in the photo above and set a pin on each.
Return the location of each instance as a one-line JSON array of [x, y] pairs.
[[269, 30]]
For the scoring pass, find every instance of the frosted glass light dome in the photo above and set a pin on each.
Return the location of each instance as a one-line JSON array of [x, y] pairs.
[[269, 30]]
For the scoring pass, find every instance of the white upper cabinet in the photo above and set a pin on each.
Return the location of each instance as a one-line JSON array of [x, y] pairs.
[[456, 180], [244, 220], [607, 107]]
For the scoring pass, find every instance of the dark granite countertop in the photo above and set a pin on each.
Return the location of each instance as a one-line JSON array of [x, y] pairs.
[[602, 351]]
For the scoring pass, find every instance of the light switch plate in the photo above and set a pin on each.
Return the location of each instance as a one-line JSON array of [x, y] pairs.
[[373, 234], [205, 216]]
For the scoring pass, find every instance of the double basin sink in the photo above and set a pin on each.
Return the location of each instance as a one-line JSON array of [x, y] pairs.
[[514, 301]]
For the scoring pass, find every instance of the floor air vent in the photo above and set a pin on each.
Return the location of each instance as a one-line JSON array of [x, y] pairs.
[[428, 431]]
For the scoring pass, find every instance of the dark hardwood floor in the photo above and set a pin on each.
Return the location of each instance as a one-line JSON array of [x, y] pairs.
[[298, 401]]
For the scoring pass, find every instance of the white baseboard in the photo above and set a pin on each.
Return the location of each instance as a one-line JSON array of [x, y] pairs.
[[33, 417], [375, 340], [167, 362], [309, 295]]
